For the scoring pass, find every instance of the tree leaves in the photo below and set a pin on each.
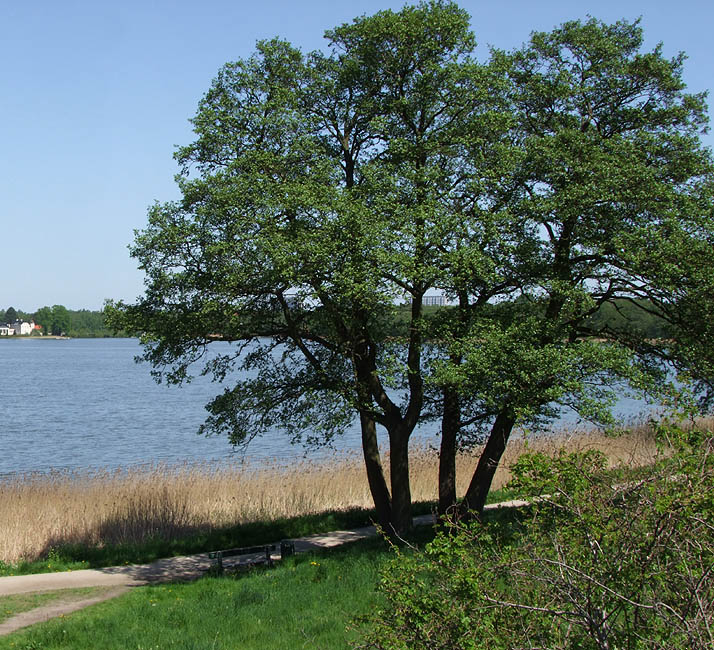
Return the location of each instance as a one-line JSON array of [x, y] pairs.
[[535, 191]]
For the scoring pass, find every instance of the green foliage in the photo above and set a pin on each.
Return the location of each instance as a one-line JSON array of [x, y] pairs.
[[88, 324], [61, 320], [539, 191], [43, 317], [638, 316], [10, 315], [588, 565]]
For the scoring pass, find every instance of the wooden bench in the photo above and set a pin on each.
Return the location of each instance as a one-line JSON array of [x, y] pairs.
[[216, 557]]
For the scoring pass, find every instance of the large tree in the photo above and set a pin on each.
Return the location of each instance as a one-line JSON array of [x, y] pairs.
[[321, 197], [61, 320], [322, 189], [319, 200], [43, 317]]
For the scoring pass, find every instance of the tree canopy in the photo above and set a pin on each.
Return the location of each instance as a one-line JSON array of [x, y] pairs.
[[61, 320], [10, 315], [43, 317], [533, 190]]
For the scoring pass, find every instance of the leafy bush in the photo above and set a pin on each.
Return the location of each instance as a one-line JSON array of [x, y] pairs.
[[587, 565]]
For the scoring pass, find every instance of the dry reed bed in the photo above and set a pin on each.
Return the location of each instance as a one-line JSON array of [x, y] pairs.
[[96, 508]]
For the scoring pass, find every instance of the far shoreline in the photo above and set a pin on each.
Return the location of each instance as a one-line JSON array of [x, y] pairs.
[[47, 337], [56, 337]]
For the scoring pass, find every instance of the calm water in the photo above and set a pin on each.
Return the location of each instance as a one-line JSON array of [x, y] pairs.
[[84, 403]]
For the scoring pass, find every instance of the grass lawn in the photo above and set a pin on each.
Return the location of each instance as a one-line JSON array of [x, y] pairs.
[[308, 601]]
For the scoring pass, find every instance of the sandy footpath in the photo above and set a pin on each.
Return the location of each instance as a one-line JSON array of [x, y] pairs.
[[56, 608]]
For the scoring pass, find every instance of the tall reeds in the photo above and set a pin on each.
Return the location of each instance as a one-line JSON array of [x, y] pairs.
[[40, 511]]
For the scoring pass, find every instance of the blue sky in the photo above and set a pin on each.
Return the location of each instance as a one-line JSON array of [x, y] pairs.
[[96, 95]]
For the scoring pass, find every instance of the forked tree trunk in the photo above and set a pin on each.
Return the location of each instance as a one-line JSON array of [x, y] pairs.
[[475, 498]]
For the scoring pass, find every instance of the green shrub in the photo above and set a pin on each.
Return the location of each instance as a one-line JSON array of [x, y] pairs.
[[587, 565]]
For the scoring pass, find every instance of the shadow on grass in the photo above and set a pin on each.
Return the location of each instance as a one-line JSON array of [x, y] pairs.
[[153, 538]]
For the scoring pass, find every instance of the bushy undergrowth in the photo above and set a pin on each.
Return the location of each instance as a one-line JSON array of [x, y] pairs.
[[587, 565]]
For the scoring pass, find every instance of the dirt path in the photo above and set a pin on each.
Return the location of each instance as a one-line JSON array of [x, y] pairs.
[[173, 569], [122, 578], [56, 608]]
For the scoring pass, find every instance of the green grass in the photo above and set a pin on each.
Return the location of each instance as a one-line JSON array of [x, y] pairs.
[[308, 601], [51, 564]]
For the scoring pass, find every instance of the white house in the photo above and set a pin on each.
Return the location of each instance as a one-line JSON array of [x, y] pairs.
[[24, 327], [18, 328], [436, 301]]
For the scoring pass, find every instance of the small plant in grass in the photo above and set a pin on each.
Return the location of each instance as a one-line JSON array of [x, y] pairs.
[[588, 565]]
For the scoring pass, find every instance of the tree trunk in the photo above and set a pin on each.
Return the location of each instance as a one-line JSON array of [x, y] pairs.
[[399, 475], [447, 453], [475, 498], [451, 421], [375, 473]]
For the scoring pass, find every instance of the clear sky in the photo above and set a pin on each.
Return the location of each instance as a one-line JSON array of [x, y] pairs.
[[95, 96]]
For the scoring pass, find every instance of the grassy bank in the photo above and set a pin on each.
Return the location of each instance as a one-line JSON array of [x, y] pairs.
[[70, 520]]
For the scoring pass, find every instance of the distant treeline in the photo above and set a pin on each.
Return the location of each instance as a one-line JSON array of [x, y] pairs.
[[87, 324], [60, 321], [84, 323], [636, 316]]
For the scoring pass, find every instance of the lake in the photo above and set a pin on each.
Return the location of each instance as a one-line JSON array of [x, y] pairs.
[[85, 403]]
